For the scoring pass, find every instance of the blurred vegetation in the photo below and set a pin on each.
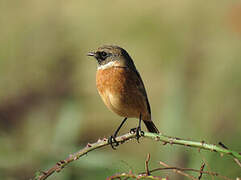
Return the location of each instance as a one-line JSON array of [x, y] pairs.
[[188, 53]]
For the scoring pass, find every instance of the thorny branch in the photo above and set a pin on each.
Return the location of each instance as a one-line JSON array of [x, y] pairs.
[[178, 170], [182, 170], [126, 137]]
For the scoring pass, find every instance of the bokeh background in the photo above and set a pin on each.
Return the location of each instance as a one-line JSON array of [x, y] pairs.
[[188, 53]]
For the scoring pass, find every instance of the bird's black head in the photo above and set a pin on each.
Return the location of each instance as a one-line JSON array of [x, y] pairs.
[[110, 54]]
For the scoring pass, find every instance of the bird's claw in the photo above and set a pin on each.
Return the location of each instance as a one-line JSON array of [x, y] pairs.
[[112, 141], [138, 133]]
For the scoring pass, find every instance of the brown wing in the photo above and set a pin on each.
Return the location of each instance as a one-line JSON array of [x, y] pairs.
[[141, 87], [136, 81]]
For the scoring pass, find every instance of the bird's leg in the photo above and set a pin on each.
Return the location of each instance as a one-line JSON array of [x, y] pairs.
[[112, 139], [138, 130]]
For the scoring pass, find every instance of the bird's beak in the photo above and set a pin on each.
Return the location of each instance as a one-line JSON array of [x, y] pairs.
[[91, 54]]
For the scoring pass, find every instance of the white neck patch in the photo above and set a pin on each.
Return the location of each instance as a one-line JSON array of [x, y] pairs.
[[105, 66]]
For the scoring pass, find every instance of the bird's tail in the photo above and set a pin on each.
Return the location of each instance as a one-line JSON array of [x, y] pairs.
[[151, 126]]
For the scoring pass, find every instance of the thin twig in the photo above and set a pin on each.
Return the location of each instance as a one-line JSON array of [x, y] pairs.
[[237, 161], [201, 170], [206, 163], [134, 176], [189, 169], [146, 164], [179, 171]]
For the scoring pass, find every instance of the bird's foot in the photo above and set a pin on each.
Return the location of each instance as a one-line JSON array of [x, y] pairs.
[[112, 141], [138, 132]]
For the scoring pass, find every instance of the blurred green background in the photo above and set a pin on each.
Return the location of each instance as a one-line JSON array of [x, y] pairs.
[[188, 53]]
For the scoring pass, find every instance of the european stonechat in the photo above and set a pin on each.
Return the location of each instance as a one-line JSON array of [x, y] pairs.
[[121, 87]]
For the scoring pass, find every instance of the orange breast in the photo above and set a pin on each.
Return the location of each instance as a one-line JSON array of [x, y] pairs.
[[122, 92]]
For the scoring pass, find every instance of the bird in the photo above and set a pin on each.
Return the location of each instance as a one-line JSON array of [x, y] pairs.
[[121, 88]]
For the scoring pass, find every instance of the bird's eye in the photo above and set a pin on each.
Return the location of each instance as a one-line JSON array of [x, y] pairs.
[[103, 54]]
